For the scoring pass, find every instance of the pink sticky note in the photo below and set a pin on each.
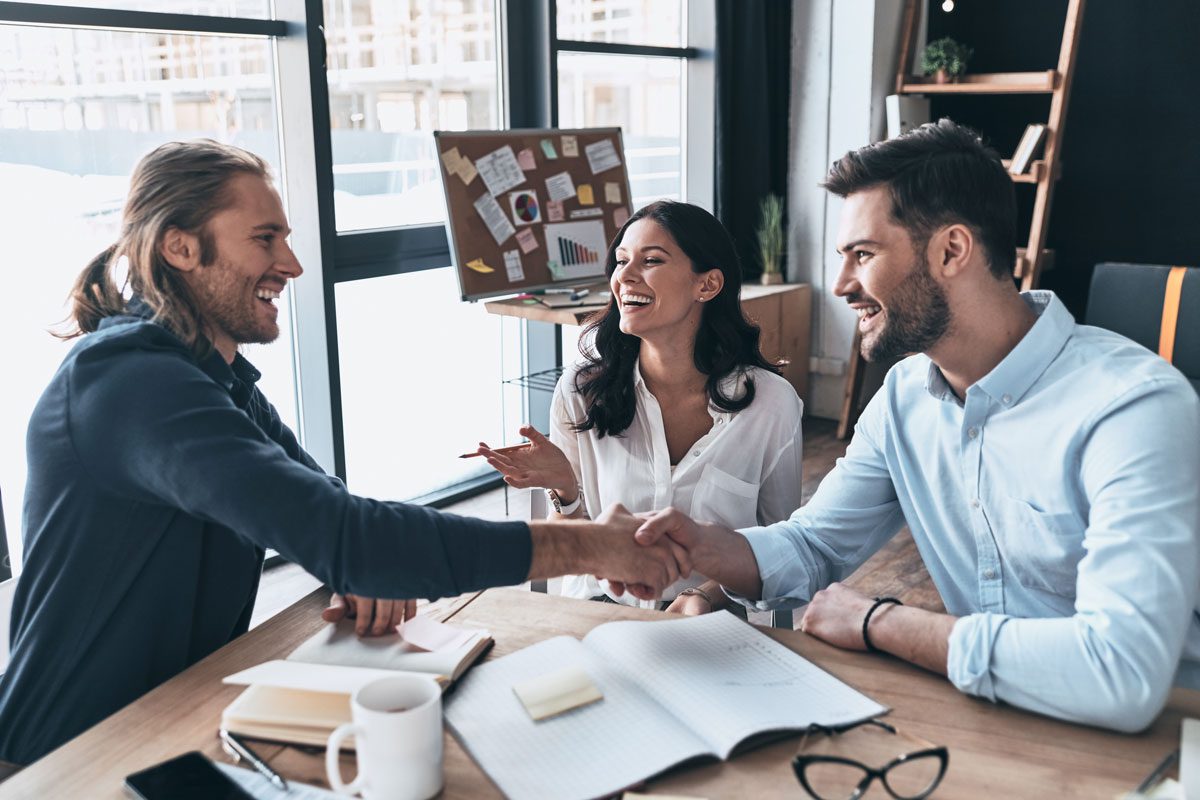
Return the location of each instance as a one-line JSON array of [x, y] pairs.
[[525, 159], [554, 210], [620, 216], [434, 636], [527, 240]]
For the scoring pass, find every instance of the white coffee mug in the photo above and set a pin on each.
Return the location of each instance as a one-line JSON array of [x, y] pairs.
[[397, 731]]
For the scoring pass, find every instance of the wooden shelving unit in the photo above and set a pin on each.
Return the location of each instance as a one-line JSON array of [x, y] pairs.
[[1042, 174], [983, 83]]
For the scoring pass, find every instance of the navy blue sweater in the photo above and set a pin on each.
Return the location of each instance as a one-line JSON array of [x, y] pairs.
[[155, 482]]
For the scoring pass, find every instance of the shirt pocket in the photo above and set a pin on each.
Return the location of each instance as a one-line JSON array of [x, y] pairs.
[[1041, 548], [722, 498]]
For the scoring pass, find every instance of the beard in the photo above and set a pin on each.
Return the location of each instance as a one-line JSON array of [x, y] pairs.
[[228, 303], [918, 315]]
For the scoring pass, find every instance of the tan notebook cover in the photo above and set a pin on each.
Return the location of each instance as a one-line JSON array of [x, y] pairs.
[[294, 710]]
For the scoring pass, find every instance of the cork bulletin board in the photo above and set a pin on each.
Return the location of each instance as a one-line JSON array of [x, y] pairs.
[[530, 209]]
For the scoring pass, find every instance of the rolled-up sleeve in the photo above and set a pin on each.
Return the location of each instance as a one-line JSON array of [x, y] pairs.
[[1113, 661], [853, 513]]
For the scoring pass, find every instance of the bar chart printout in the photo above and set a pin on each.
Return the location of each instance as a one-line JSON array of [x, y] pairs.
[[579, 247]]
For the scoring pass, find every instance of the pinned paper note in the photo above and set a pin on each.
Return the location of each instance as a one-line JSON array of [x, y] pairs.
[[451, 158], [560, 187], [527, 240], [612, 193], [512, 265], [554, 211], [467, 171], [548, 148], [525, 207], [494, 217], [478, 265], [584, 213], [570, 146], [584, 191], [429, 634], [500, 170], [602, 156], [548, 695], [620, 216], [526, 160]]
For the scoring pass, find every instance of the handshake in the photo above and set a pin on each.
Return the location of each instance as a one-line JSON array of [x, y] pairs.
[[641, 554]]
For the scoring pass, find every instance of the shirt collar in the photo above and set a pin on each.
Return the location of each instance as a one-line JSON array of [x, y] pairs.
[[1019, 370], [732, 385], [238, 378]]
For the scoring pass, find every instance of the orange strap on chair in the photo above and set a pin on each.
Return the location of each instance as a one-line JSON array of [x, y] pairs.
[[1170, 315]]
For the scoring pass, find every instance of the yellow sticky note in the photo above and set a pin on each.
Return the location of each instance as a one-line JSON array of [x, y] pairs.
[[612, 193], [584, 191], [478, 265], [451, 158], [466, 170], [556, 692]]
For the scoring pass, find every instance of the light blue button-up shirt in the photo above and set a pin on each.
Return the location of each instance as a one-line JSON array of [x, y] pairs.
[[1057, 509]]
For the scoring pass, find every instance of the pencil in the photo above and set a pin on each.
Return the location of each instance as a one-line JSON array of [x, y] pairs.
[[510, 449]]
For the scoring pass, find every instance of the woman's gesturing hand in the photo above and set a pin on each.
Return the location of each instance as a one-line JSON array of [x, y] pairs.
[[541, 465]]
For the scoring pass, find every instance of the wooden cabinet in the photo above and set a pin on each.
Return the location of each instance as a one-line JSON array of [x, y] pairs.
[[784, 312]]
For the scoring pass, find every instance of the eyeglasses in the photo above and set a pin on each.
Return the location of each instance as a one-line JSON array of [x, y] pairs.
[[831, 775]]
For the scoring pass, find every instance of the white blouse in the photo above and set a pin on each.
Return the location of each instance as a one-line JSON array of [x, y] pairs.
[[744, 472]]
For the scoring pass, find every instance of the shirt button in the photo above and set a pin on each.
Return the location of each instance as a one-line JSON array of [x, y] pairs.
[[989, 574], [972, 432], [975, 502], [1006, 399], [696, 453]]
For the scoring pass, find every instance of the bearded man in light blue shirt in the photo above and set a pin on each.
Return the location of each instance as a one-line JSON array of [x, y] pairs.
[[1049, 471]]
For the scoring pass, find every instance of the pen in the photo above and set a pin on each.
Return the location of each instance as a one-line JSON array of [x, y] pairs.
[[242, 750], [509, 449], [579, 295], [1164, 765]]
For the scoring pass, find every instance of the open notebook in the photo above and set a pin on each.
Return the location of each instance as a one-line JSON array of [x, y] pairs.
[[301, 700], [673, 690]]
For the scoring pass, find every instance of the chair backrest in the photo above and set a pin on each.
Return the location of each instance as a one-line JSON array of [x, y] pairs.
[[1130, 299]]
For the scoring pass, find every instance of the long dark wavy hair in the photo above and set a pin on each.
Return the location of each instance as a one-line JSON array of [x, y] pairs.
[[726, 341]]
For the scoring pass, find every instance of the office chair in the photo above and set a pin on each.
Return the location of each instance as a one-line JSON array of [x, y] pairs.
[[1156, 306]]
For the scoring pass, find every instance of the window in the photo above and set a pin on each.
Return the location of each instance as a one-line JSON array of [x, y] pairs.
[[399, 70], [78, 108], [390, 376]]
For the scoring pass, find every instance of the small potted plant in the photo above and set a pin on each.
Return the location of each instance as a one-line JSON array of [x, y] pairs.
[[770, 239], [945, 59]]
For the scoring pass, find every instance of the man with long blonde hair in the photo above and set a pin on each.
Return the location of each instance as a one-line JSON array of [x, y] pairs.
[[159, 474]]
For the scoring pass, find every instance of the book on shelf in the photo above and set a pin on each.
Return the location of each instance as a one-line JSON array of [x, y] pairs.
[[673, 690], [1026, 148], [303, 698]]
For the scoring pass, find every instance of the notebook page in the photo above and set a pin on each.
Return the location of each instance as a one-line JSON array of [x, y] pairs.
[[726, 680], [590, 751], [341, 646]]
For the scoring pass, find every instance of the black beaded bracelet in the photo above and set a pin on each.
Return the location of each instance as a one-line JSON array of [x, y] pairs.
[[879, 601]]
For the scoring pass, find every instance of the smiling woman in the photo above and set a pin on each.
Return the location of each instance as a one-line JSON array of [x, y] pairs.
[[673, 403]]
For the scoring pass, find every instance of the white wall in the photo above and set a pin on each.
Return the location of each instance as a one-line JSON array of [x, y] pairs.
[[844, 56]]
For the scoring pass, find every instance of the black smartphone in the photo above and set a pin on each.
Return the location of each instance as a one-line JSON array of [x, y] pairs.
[[190, 776]]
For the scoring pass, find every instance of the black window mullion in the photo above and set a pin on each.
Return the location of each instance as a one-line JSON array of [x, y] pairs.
[[143, 21], [619, 49]]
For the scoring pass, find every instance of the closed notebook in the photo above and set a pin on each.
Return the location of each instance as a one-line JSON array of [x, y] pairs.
[[301, 700]]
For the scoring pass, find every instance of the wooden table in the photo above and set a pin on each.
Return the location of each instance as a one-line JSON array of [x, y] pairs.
[[995, 751]]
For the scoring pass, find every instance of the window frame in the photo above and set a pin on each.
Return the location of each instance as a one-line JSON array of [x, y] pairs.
[[527, 54]]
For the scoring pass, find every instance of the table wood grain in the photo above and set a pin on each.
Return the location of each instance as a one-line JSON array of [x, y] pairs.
[[995, 750]]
